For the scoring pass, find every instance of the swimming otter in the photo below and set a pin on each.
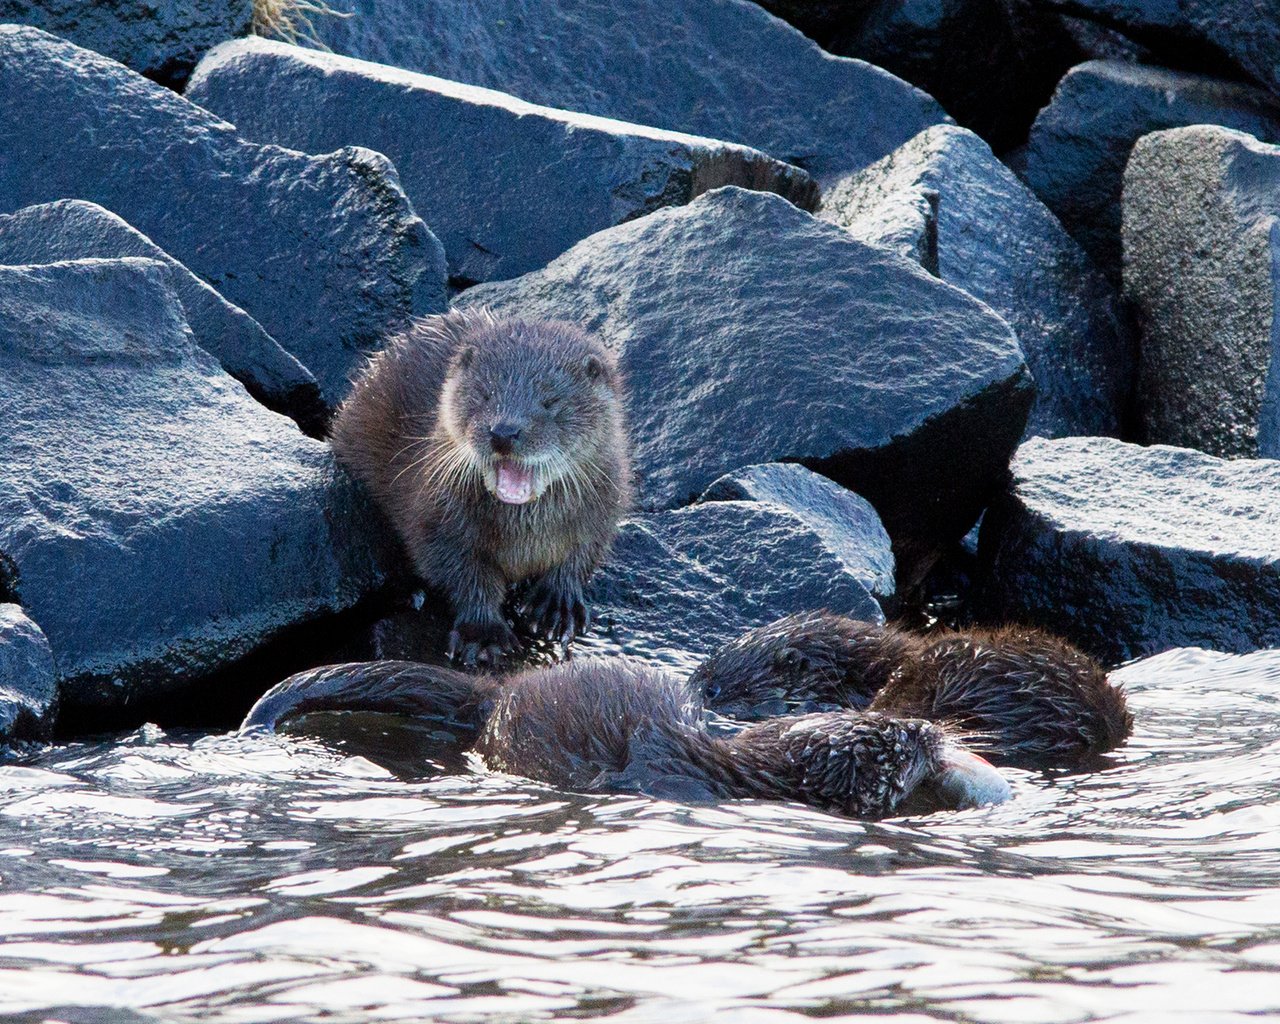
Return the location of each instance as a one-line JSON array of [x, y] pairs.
[[498, 450], [1021, 696], [620, 726]]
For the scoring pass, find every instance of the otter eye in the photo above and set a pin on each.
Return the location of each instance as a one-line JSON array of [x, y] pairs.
[[486, 395], [550, 403]]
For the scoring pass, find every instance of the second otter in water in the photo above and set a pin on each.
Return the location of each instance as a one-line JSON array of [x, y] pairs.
[[497, 448]]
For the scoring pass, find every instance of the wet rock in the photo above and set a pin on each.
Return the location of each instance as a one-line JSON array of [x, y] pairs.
[[324, 252], [507, 186], [157, 522], [725, 69], [751, 332], [161, 39], [72, 229], [1074, 159], [1129, 551], [28, 695], [1202, 267], [845, 522], [945, 199]]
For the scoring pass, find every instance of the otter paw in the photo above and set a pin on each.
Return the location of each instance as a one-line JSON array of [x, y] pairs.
[[481, 643], [557, 611]]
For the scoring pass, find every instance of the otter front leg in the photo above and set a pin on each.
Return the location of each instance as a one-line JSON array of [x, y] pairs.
[[480, 634], [556, 606]]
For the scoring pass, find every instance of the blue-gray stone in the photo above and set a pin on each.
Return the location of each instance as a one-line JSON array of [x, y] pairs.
[[28, 692]]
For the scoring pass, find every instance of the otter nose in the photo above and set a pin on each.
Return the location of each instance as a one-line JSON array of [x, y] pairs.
[[503, 437]]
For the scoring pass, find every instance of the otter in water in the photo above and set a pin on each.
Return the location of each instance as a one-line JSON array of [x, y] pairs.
[[1021, 696], [620, 726], [498, 450]]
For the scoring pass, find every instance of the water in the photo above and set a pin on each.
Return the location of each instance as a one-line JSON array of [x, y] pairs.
[[218, 879]]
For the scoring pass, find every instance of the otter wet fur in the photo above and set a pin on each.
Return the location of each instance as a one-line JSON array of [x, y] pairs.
[[1021, 696], [498, 450], [622, 726]]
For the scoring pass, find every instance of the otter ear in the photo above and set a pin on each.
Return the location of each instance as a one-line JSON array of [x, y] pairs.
[[466, 357], [594, 367]]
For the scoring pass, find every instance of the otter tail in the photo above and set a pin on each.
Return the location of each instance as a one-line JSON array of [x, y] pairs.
[[392, 687]]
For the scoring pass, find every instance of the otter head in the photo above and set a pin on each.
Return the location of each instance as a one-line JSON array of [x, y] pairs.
[[531, 404]]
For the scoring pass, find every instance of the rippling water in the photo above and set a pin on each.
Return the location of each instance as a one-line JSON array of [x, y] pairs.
[[220, 879]]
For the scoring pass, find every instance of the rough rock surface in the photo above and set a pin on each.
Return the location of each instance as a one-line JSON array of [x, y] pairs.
[[945, 197], [752, 332], [1202, 268], [845, 522], [72, 229], [507, 186], [1129, 551], [28, 693], [324, 252], [720, 68], [1075, 156], [158, 523], [161, 39]]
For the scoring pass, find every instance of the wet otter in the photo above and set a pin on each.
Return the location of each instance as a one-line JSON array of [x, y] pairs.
[[497, 448], [620, 726], [1021, 696]]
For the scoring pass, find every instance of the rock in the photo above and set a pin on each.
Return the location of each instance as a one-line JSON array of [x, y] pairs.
[[324, 252], [1075, 156], [720, 68], [1129, 551], [845, 522], [72, 229], [157, 522], [752, 332], [945, 197], [1202, 267], [507, 186], [157, 38], [28, 695]]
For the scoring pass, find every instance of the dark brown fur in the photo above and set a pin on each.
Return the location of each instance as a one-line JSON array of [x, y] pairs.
[[418, 431]]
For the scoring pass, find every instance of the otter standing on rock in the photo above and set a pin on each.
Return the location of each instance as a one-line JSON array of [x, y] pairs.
[[498, 450]]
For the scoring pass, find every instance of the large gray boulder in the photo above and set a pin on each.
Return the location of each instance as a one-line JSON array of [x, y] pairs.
[[324, 252], [161, 39], [1129, 551], [721, 68], [751, 332], [72, 229], [1075, 155], [944, 197], [28, 691], [1202, 268], [156, 521], [507, 186]]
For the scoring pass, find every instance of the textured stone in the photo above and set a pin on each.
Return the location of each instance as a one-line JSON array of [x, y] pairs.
[[1075, 156], [28, 693], [751, 332], [945, 199], [1202, 268], [720, 68], [506, 185], [1129, 551], [324, 252], [157, 522], [72, 229]]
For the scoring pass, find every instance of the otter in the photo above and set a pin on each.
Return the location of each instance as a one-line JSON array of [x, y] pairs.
[[1022, 697], [622, 726], [497, 448]]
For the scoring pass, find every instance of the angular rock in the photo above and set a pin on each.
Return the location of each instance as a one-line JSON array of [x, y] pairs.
[[161, 39], [160, 523], [724, 69], [324, 252], [845, 522], [73, 229], [751, 332], [28, 694], [946, 197], [1202, 268], [505, 185], [1075, 156], [1129, 551]]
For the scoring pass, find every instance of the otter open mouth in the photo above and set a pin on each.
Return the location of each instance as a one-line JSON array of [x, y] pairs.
[[515, 482]]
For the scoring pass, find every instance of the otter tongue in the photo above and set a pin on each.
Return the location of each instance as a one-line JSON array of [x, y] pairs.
[[515, 483]]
